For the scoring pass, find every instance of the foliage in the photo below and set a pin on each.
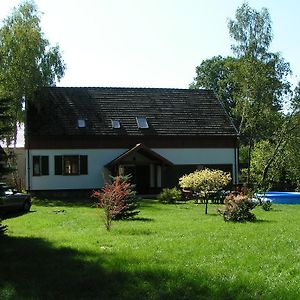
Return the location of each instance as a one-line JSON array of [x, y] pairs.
[[170, 196], [116, 199], [275, 161], [254, 88], [5, 117], [266, 205], [131, 201], [205, 181], [5, 130], [27, 59], [261, 154], [3, 228], [237, 209], [252, 31], [217, 74], [290, 173]]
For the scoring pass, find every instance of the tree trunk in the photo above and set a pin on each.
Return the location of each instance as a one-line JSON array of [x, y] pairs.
[[206, 204], [248, 180]]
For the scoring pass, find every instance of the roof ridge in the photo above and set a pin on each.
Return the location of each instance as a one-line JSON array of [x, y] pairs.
[[127, 88]]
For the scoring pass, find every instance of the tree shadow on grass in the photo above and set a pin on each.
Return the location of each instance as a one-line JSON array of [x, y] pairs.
[[33, 268], [11, 215], [264, 221], [140, 219]]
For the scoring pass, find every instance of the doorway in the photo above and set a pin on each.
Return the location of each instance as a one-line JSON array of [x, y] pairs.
[[140, 177]]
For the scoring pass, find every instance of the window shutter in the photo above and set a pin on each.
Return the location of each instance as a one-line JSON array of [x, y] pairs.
[[36, 166], [83, 165], [58, 165], [45, 165]]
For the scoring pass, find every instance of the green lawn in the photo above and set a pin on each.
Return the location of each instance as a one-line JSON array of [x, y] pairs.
[[61, 251]]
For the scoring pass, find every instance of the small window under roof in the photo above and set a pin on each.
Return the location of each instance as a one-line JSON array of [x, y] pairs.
[[142, 122], [81, 123], [115, 123]]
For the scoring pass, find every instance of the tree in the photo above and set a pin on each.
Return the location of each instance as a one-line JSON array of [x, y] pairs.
[[275, 162], [131, 203], [5, 130], [253, 85], [217, 74], [27, 61], [252, 32], [205, 181]]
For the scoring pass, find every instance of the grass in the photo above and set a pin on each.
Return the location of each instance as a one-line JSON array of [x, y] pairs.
[[62, 251]]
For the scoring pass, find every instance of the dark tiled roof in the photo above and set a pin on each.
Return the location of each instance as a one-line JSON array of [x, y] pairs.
[[168, 112]]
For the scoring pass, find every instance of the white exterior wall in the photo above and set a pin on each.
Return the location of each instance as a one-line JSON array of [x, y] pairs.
[[198, 156], [98, 158], [202, 156]]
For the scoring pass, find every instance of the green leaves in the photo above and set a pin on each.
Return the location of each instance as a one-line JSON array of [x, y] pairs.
[[252, 32], [255, 89], [205, 180], [28, 61]]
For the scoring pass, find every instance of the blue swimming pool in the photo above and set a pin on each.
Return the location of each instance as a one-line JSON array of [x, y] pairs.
[[281, 197]]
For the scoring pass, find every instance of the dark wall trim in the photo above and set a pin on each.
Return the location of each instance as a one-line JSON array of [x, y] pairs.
[[90, 142]]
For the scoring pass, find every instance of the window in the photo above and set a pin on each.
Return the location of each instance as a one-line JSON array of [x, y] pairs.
[[71, 165], [115, 123], [81, 123], [142, 122], [40, 165]]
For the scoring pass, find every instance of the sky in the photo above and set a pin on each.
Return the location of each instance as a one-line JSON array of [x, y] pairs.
[[151, 43]]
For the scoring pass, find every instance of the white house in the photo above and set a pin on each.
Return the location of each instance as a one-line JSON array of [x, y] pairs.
[[78, 136]]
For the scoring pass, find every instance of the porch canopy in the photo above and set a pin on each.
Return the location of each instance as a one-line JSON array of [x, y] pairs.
[[142, 150], [143, 165]]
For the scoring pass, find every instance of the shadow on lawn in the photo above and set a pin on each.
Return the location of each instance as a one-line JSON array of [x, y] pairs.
[[11, 215], [32, 268], [84, 202], [66, 202]]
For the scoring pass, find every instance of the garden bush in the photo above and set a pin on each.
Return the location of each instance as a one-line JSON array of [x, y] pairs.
[[3, 228], [170, 196], [266, 205], [237, 208]]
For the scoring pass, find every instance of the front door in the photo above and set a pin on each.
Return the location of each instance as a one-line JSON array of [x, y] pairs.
[[142, 179], [140, 176]]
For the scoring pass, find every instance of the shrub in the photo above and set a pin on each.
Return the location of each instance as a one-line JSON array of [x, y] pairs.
[[170, 196], [266, 205], [237, 209], [3, 228], [117, 200]]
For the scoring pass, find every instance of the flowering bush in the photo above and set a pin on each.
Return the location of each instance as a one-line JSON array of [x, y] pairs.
[[237, 208], [204, 182], [117, 199]]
